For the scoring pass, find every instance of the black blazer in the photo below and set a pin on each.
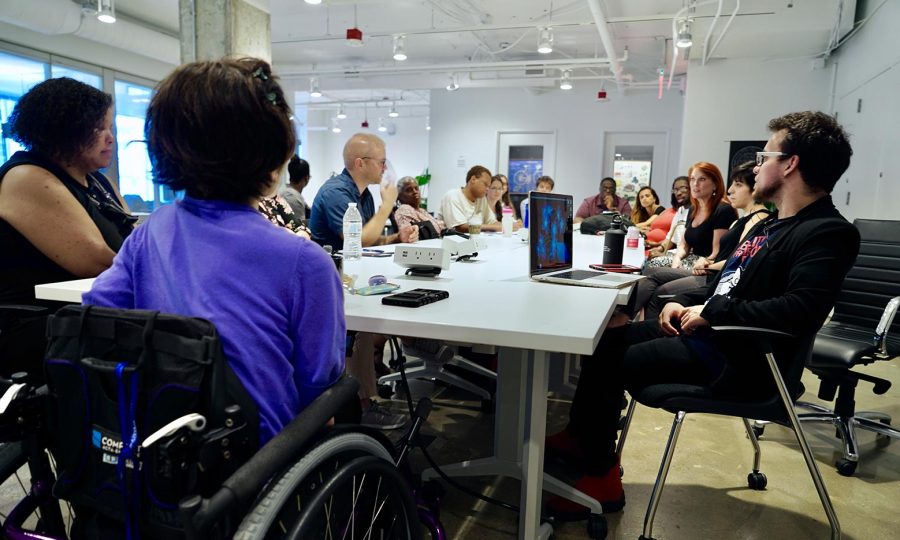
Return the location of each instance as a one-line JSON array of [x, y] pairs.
[[792, 283]]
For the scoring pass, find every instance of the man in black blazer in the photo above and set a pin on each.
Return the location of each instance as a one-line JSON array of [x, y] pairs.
[[786, 275]]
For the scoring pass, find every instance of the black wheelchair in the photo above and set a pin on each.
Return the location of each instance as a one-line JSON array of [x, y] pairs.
[[142, 431]]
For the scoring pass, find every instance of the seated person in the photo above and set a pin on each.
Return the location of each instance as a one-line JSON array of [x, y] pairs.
[[647, 209], [665, 231], [298, 178], [364, 164], [506, 200], [60, 217], [495, 197], [211, 254], [277, 210], [459, 205], [409, 212], [604, 201], [742, 196], [545, 184], [784, 276]]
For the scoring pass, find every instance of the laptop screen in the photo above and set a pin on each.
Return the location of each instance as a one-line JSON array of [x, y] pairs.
[[550, 232]]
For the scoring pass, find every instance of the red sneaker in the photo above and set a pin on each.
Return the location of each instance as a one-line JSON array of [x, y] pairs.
[[563, 445], [607, 489]]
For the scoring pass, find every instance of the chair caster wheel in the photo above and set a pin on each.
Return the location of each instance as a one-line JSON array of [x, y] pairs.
[[621, 471], [642, 537], [596, 527], [757, 481], [845, 467], [758, 430], [385, 391]]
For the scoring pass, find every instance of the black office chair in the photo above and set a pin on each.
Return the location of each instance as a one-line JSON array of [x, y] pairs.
[[681, 399], [859, 333]]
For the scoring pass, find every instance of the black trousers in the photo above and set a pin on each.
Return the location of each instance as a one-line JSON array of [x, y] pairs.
[[635, 356]]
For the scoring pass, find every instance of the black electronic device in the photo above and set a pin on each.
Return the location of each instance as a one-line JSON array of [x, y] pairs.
[[415, 297]]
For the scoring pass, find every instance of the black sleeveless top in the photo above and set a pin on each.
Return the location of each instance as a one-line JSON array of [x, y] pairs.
[[22, 266]]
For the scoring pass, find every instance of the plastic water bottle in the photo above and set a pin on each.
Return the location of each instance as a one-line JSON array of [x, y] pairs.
[[525, 217], [613, 242], [507, 221], [352, 251], [634, 248]]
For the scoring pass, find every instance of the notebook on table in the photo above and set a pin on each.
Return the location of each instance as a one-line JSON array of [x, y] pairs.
[[550, 246]]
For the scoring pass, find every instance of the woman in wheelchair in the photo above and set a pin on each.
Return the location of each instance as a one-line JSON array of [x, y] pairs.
[[133, 454]]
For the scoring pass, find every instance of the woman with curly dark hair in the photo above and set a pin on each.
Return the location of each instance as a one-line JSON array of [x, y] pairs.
[[60, 219]]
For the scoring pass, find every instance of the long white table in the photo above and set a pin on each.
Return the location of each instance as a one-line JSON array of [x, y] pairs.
[[492, 302]]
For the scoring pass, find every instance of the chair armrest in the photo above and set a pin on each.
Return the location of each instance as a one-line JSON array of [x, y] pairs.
[[765, 335], [23, 310], [884, 326]]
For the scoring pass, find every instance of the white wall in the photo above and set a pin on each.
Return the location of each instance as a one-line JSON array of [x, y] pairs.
[[465, 124], [733, 100], [866, 102], [407, 148]]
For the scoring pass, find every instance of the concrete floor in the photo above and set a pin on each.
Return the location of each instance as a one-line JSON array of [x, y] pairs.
[[706, 495]]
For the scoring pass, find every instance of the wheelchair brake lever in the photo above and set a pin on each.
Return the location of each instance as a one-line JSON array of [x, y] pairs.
[[193, 421]]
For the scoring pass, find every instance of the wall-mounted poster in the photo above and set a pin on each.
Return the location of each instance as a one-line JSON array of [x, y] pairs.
[[630, 176], [526, 165], [742, 152]]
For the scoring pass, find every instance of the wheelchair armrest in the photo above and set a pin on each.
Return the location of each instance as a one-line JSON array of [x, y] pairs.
[[244, 485]]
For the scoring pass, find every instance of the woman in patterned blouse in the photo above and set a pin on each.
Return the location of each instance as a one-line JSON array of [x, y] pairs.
[[409, 212], [278, 211]]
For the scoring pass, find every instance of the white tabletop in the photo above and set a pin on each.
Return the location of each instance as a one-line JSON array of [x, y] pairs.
[[492, 301]]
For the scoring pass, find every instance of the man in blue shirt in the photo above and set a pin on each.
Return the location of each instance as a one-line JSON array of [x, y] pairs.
[[364, 164]]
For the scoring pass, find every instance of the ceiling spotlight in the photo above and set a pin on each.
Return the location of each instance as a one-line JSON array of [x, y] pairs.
[[393, 113], [566, 82], [106, 11], [381, 126], [335, 126], [454, 85], [427, 123], [545, 40], [400, 47], [314, 87], [341, 114], [313, 2], [354, 37], [684, 35]]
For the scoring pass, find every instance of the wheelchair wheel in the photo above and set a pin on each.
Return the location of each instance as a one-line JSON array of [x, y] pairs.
[[278, 510]]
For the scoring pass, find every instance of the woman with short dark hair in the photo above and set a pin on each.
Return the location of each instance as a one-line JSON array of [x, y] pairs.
[[221, 132], [60, 218]]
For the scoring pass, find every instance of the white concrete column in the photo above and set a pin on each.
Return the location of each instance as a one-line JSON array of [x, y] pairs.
[[211, 29]]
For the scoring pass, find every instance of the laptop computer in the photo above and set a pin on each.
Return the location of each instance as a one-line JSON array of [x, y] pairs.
[[550, 246]]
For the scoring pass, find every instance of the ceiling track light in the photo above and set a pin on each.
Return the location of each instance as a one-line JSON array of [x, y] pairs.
[[545, 40], [427, 123], [565, 83], [454, 84], [335, 126], [381, 126], [314, 87], [341, 114], [393, 112], [313, 2], [684, 39], [400, 47], [106, 11]]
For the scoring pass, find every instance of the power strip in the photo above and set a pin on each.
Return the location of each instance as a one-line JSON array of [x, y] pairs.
[[422, 257]]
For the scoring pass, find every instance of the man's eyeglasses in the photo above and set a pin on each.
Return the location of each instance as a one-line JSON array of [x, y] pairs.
[[380, 161], [680, 189], [761, 157]]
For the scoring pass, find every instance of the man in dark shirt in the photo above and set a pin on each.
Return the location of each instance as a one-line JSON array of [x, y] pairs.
[[785, 276]]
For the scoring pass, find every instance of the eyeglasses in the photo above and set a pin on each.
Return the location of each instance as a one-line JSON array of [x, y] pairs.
[[680, 189], [495, 188], [761, 157], [380, 161]]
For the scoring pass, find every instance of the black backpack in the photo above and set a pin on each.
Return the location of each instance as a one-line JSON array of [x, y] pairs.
[[117, 376]]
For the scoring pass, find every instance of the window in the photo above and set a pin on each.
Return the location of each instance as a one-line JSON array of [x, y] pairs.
[[17, 75], [135, 176], [92, 79]]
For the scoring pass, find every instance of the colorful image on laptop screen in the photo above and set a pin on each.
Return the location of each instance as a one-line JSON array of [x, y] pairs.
[[550, 232]]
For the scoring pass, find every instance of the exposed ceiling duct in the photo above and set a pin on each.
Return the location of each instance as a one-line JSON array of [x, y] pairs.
[[64, 17]]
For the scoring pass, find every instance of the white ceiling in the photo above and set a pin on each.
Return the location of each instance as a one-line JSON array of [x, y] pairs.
[[460, 36]]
